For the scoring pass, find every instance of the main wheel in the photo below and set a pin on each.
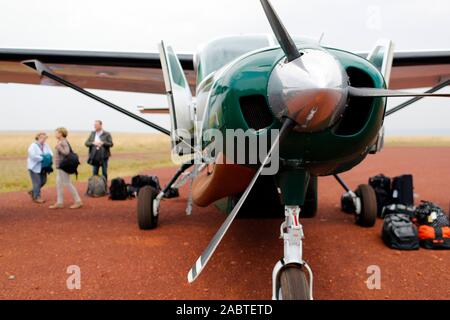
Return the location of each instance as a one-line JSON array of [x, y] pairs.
[[309, 209], [293, 284], [368, 215], [146, 219]]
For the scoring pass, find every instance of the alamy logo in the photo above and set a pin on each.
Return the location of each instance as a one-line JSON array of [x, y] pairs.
[[374, 280], [374, 18], [239, 147], [74, 280]]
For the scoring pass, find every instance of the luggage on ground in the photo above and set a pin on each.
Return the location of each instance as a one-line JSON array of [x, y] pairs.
[[434, 237], [97, 186], [434, 226], [398, 208], [118, 189], [172, 193], [70, 162], [399, 232], [132, 191], [428, 213], [140, 181], [402, 190], [382, 187]]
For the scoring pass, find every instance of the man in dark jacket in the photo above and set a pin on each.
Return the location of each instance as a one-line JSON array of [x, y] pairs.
[[99, 142]]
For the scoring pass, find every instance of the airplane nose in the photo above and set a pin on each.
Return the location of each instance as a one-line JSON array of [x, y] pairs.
[[311, 90]]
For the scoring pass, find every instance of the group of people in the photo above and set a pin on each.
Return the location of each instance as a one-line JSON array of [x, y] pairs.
[[41, 159]]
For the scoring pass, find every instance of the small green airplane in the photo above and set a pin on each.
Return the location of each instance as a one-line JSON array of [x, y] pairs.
[[312, 110]]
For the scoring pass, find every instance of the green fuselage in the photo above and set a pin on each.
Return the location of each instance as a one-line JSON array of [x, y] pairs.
[[333, 150]]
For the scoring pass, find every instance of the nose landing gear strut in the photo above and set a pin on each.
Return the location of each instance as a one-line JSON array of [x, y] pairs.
[[289, 280]]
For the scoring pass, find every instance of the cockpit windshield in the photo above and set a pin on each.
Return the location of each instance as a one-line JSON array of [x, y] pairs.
[[217, 53], [222, 51]]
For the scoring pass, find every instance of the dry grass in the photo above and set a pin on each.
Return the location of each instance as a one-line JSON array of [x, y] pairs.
[[132, 153], [420, 141]]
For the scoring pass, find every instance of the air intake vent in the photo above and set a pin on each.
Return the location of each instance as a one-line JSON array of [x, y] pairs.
[[358, 109], [256, 112]]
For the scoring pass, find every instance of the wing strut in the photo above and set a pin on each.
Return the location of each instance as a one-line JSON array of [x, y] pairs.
[[43, 70], [415, 99]]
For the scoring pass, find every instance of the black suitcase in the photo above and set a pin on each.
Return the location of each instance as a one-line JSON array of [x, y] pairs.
[[403, 190], [382, 187]]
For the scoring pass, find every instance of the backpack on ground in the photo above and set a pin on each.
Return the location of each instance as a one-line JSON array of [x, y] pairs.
[[382, 187], [97, 186], [399, 232], [428, 213], [403, 190], [70, 162], [118, 189], [140, 181]]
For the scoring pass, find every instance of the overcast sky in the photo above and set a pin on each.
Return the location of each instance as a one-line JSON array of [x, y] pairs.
[[134, 25]]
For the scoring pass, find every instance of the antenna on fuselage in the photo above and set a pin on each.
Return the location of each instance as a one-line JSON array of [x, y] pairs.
[[284, 39]]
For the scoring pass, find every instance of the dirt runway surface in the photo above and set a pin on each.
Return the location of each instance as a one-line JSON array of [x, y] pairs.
[[119, 261]]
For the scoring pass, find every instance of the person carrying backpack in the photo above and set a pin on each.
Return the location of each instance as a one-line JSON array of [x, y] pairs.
[[99, 143], [39, 165], [63, 150]]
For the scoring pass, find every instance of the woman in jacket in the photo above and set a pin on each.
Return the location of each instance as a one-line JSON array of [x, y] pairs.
[[37, 151], [62, 149]]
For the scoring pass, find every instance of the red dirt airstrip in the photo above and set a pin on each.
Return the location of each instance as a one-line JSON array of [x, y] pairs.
[[118, 261]]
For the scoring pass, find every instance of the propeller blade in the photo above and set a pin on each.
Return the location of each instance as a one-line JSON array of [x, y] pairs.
[[374, 92], [283, 37], [201, 262]]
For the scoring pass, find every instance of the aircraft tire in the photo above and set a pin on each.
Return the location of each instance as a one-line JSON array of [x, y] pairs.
[[145, 217], [368, 215], [293, 284]]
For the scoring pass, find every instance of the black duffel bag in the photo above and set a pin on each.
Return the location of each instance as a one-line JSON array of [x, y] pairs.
[[398, 208], [399, 232]]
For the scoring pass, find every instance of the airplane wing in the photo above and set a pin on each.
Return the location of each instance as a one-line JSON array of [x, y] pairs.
[[419, 69], [132, 72], [141, 72]]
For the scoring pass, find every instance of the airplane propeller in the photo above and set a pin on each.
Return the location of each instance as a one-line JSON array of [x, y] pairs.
[[375, 92]]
